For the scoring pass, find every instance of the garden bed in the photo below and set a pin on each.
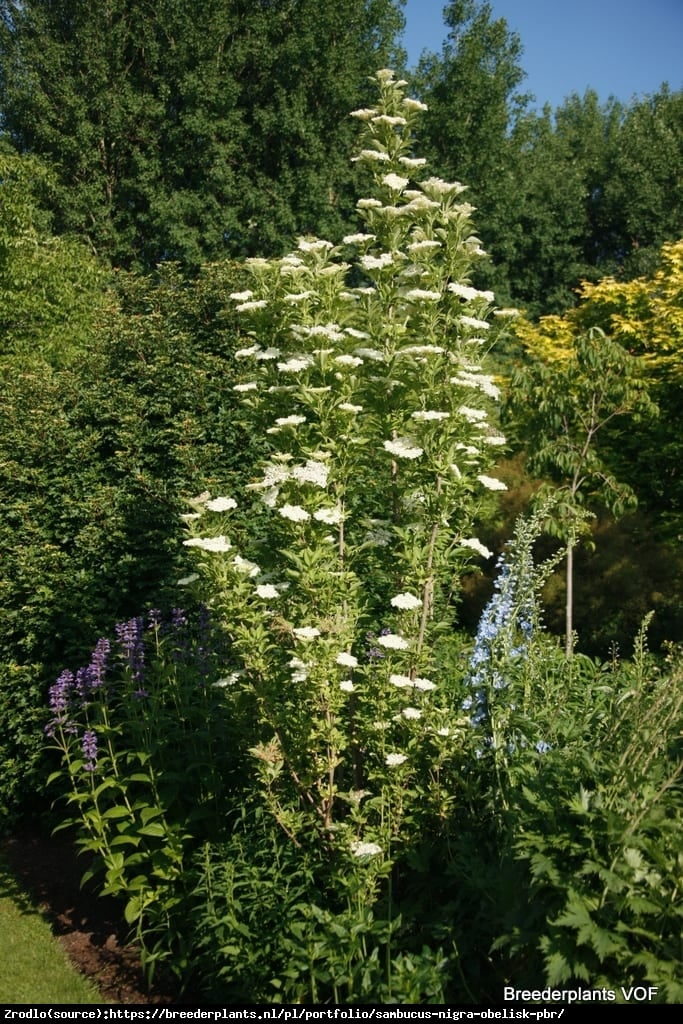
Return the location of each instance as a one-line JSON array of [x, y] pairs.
[[90, 928]]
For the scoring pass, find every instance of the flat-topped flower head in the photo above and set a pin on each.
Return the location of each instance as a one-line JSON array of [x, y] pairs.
[[306, 632], [208, 543], [393, 760], [403, 448], [347, 660], [491, 483], [406, 602], [476, 545], [393, 642], [295, 513], [221, 504], [360, 849]]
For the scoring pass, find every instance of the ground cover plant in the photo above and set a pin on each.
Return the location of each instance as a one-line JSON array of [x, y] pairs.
[[361, 807]]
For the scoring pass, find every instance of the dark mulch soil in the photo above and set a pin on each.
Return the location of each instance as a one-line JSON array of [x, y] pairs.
[[90, 928]]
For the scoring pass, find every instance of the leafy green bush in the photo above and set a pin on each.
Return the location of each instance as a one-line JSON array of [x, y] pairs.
[[94, 458]]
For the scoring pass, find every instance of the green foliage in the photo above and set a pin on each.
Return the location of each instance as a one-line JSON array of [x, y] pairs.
[[600, 832], [336, 797], [189, 138], [52, 290], [93, 458]]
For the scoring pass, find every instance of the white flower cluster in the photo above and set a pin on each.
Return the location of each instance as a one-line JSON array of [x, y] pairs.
[[404, 448]]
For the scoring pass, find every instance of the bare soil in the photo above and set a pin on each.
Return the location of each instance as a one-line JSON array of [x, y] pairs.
[[89, 927]]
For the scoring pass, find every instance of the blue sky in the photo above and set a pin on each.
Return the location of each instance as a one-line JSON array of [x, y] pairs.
[[620, 48]]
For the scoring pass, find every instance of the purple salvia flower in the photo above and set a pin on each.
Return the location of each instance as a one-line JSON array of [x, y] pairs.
[[154, 617], [61, 698], [89, 747], [130, 637], [98, 662]]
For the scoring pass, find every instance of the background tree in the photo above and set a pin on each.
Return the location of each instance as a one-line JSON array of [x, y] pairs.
[[176, 137], [564, 406], [472, 91]]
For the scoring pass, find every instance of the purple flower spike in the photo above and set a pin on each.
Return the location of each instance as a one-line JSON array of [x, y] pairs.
[[89, 747], [130, 637]]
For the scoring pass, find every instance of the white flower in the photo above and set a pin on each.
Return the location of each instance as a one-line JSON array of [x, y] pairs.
[[350, 407], [406, 601], [244, 353], [411, 104], [189, 516], [429, 414], [370, 353], [296, 513], [421, 350], [242, 296], [229, 680], [492, 483], [364, 113], [421, 295], [348, 360], [411, 713], [300, 673], [306, 632], [400, 681], [403, 448], [346, 659], [393, 760], [506, 312], [467, 293], [266, 590], [359, 849], [476, 324], [385, 259], [476, 545], [329, 516], [373, 154], [245, 566], [347, 686], [290, 421], [245, 307], [473, 415], [496, 439], [314, 245], [391, 119], [412, 162], [443, 188], [393, 642], [221, 504], [297, 296], [209, 543], [295, 365], [368, 204], [251, 385], [311, 473], [477, 380], [357, 239], [268, 353], [423, 684], [395, 182], [426, 245]]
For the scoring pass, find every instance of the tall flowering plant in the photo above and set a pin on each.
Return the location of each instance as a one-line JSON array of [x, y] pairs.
[[365, 371]]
